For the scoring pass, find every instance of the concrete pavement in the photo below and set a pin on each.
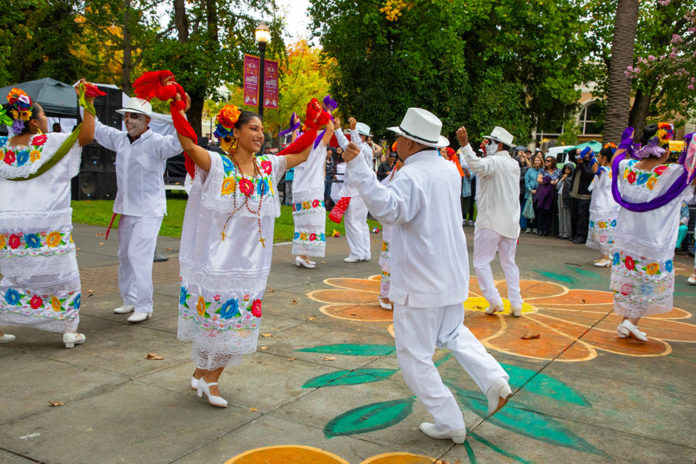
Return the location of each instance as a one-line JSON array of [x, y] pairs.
[[326, 377]]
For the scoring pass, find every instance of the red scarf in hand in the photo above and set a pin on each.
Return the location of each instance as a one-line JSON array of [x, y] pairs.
[[315, 118]]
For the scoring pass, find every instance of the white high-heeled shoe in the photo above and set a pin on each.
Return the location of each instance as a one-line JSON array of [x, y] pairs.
[[634, 330], [72, 339], [299, 262], [204, 388], [7, 338], [194, 383], [385, 303]]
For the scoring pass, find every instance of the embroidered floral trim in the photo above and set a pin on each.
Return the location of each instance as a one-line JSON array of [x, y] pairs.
[[307, 206], [35, 244], [21, 155], [218, 313], [641, 265], [253, 188], [30, 304], [311, 238], [643, 178]]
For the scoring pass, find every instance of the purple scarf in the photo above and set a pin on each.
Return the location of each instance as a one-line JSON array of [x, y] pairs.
[[329, 105]]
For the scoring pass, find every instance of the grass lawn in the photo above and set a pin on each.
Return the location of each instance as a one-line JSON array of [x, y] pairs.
[[98, 213]]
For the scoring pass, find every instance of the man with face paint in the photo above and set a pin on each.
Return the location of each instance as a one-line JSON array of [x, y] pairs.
[[141, 156], [357, 230], [497, 222]]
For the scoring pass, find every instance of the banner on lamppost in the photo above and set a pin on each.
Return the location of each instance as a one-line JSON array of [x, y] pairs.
[[270, 86], [251, 80]]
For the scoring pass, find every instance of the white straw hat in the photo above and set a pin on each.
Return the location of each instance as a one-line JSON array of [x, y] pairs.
[[421, 126], [363, 129], [137, 105], [500, 135]]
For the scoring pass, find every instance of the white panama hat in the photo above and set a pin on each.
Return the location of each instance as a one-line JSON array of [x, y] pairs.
[[500, 135], [137, 105], [421, 126], [363, 129]]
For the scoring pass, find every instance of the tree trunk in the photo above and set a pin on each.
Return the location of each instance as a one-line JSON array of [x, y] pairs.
[[619, 91], [127, 50], [195, 113], [181, 20], [640, 109]]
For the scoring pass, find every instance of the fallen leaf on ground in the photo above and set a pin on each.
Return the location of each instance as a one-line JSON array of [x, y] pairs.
[[270, 290], [90, 292], [311, 318], [267, 335], [100, 243], [529, 335], [329, 358], [99, 234], [168, 249], [264, 348], [353, 314], [293, 301], [253, 409], [292, 359], [55, 403], [153, 357]]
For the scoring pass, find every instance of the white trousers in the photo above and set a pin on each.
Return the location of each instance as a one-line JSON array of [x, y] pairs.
[[486, 243], [137, 240], [357, 230], [417, 331]]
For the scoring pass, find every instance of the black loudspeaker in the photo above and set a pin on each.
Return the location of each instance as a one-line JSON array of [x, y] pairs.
[[107, 105], [94, 185]]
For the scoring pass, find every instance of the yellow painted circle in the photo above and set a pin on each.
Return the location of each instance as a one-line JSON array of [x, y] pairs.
[[399, 458], [479, 303], [287, 454]]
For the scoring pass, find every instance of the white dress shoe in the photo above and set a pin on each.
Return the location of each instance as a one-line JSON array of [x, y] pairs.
[[633, 329], [498, 394], [603, 263], [496, 307], [431, 430], [351, 259], [692, 279], [299, 262], [7, 338], [137, 316], [72, 339], [125, 309], [204, 388], [366, 260], [517, 311]]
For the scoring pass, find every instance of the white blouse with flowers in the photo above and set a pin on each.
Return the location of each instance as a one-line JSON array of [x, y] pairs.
[[223, 280]]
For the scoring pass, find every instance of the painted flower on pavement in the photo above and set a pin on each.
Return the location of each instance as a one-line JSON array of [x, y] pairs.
[[572, 323]]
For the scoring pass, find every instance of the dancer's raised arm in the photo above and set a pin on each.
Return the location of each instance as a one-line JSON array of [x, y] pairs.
[[198, 154]]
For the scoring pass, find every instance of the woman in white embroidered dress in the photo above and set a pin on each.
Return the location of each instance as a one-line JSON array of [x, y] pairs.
[[642, 273], [226, 246], [603, 207], [40, 285], [308, 210]]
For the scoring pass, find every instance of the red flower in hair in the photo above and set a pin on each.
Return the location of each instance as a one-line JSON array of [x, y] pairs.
[[228, 116]]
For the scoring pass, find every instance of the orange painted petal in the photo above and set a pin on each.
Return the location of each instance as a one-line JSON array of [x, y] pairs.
[[667, 329], [343, 296], [377, 277], [365, 285], [534, 289], [361, 313], [549, 344], [675, 313], [482, 325], [575, 316], [576, 297]]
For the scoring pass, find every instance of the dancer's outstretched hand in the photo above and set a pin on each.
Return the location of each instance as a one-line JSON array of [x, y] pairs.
[[350, 152], [462, 136], [353, 122]]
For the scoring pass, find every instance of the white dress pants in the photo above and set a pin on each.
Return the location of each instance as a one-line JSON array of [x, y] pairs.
[[357, 230], [417, 331], [486, 243], [137, 239]]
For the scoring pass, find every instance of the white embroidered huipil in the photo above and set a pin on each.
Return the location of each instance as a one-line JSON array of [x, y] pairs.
[[355, 220], [603, 212], [40, 286], [497, 221], [642, 272], [223, 281], [140, 200], [385, 254], [308, 211], [429, 278]]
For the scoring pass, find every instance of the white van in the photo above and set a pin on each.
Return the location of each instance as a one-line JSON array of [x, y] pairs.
[[560, 154]]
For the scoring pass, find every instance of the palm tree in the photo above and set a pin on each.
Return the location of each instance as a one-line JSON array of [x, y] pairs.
[[619, 91]]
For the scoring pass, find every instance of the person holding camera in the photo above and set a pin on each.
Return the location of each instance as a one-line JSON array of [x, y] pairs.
[[580, 196]]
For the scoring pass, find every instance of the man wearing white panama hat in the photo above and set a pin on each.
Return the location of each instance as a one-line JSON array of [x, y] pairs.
[[141, 156], [497, 221], [430, 271]]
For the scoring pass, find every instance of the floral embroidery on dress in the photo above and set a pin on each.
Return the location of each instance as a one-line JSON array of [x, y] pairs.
[[30, 304], [255, 187], [311, 237], [643, 178], [17, 156], [35, 244], [218, 313], [307, 206]]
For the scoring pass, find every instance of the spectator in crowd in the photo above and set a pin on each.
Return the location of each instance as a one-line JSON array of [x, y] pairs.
[[524, 162], [580, 197], [564, 185], [329, 171], [545, 194], [386, 167], [289, 174], [683, 224], [467, 193], [56, 127], [530, 186]]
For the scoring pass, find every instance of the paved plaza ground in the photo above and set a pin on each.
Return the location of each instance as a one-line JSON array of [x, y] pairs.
[[326, 376]]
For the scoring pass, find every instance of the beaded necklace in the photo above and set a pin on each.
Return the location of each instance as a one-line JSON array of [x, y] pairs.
[[235, 209]]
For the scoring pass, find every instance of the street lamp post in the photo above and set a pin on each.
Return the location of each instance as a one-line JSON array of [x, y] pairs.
[[263, 36]]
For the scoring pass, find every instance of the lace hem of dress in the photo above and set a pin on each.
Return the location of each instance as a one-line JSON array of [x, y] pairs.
[[315, 249], [36, 221], [49, 325], [251, 281], [212, 349], [24, 267]]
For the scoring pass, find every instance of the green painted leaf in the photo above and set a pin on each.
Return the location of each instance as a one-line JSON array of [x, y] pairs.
[[519, 418], [585, 272], [352, 350], [544, 385], [354, 377], [370, 417], [560, 277], [495, 448]]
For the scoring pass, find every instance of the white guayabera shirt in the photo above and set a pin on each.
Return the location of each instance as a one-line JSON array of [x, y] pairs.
[[349, 189], [430, 264]]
